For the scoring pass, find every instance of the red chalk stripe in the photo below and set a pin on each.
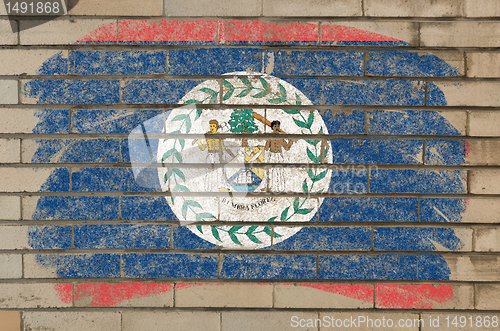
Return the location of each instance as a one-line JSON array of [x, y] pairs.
[[331, 32], [236, 30]]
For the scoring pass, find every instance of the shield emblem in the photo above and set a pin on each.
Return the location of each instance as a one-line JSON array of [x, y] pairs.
[[248, 179]]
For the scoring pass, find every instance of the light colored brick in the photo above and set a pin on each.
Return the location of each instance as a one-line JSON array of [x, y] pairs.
[[479, 268], [33, 269], [10, 320], [418, 296], [465, 236], [460, 34], [477, 94], [488, 296], [412, 8], [213, 8], [30, 296], [118, 8], [10, 208], [96, 294], [23, 179], [10, 150], [482, 8], [26, 62], [223, 295], [18, 120], [487, 240], [484, 123], [7, 37], [264, 320], [485, 64], [29, 149], [463, 298], [482, 152], [72, 321], [485, 181], [485, 210], [11, 266], [454, 59], [29, 207], [312, 8], [58, 32], [14, 237], [440, 321], [401, 30], [456, 118], [303, 296], [171, 321], [368, 321], [8, 92]]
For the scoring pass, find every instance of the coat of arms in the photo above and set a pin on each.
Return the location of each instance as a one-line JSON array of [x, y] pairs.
[[245, 157]]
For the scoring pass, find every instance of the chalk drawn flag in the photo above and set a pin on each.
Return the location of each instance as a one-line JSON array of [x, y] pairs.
[[373, 184]]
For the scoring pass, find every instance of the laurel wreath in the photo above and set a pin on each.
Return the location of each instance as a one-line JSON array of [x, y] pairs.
[[314, 154]]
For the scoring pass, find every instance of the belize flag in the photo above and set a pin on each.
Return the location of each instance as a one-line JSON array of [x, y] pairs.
[[134, 155]]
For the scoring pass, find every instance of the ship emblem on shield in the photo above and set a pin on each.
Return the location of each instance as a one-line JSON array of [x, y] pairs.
[[245, 158]]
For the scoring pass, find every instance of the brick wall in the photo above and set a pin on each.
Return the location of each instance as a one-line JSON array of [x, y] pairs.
[[390, 201]]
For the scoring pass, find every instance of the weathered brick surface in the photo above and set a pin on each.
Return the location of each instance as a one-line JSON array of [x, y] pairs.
[[254, 321], [475, 94], [10, 150], [10, 320], [8, 92], [483, 64], [7, 37], [72, 321], [479, 268], [17, 120], [83, 265], [389, 296], [223, 295], [482, 152], [57, 32], [11, 266], [38, 295], [460, 34], [401, 30], [29, 62], [48, 151], [419, 8], [207, 8], [485, 182], [485, 210], [14, 179], [175, 321], [487, 297], [10, 207], [484, 123], [117, 8], [482, 8], [312, 8], [487, 240], [320, 296], [13, 237], [73, 207], [135, 294]]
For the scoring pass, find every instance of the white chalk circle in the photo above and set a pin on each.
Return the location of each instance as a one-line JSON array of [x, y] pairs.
[[217, 166]]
